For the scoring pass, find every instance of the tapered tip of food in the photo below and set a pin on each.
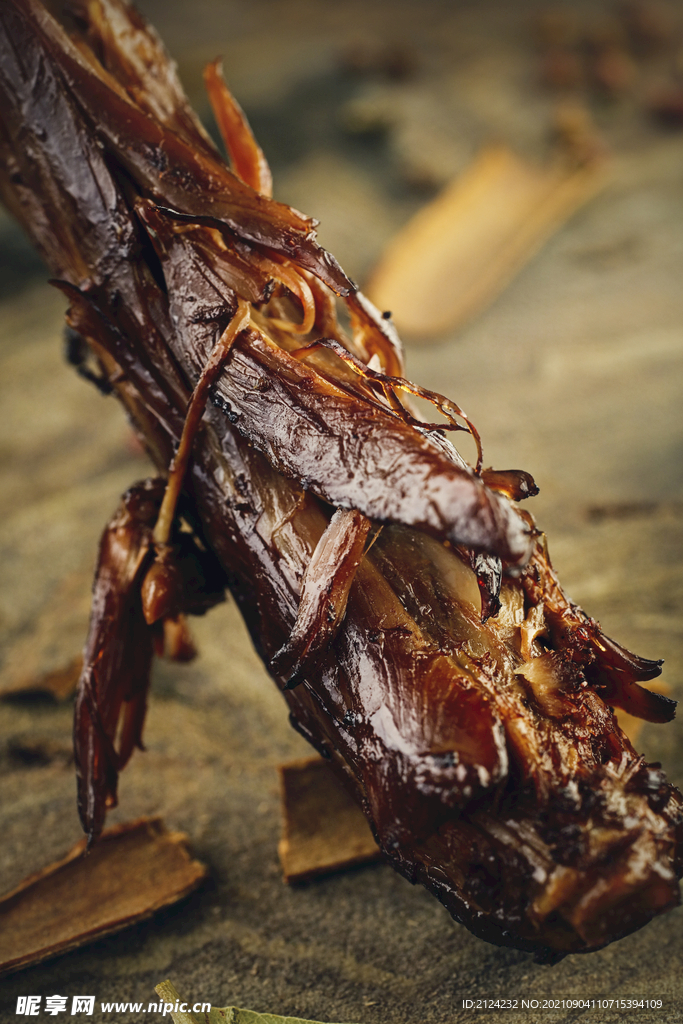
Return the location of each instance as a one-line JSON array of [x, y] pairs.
[[617, 674], [516, 483], [293, 682]]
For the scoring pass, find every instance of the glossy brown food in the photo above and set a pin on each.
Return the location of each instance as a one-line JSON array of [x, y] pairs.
[[401, 600]]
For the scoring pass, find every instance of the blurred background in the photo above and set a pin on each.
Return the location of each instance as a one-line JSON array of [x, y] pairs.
[[366, 113]]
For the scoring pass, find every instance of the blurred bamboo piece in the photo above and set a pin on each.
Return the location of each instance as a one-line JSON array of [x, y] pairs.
[[460, 251]]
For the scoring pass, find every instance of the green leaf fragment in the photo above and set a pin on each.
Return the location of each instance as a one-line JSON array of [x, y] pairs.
[[220, 1015]]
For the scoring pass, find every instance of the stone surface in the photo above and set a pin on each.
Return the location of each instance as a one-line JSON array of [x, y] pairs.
[[574, 374]]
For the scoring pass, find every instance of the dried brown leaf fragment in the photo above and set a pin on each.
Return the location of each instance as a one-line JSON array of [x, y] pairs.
[[323, 828], [136, 869]]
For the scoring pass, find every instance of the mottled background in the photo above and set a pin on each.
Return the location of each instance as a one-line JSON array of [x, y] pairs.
[[573, 373]]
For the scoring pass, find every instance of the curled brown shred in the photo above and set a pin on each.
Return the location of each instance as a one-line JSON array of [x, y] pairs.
[[463, 699]]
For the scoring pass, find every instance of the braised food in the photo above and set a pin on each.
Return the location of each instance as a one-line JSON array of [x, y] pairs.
[[401, 599]]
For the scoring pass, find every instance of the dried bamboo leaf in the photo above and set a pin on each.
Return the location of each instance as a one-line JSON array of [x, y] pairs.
[[223, 1015], [458, 252], [324, 829], [136, 869]]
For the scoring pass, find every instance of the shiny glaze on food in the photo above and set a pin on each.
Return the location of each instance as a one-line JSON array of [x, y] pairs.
[[402, 601]]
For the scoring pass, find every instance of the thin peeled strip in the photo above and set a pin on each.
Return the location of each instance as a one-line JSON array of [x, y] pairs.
[[81, 224], [131, 594], [614, 672], [246, 155], [189, 179], [112, 694], [352, 453], [138, 65], [324, 593]]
